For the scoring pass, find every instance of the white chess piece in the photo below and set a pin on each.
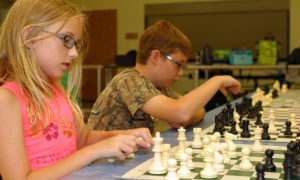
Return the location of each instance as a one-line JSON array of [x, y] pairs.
[[181, 138], [218, 162], [184, 171], [225, 154], [166, 154], [218, 137], [246, 163], [272, 127], [231, 145], [213, 138], [190, 163], [277, 86], [208, 171], [293, 120], [284, 88], [197, 143], [172, 167], [157, 166], [257, 147], [206, 143]]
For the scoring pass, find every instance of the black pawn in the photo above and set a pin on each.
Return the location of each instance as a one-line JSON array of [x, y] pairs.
[[260, 171], [288, 128], [233, 129], [269, 165], [265, 135], [245, 133], [258, 120], [296, 172]]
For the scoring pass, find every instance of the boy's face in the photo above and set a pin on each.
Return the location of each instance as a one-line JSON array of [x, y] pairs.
[[170, 68]]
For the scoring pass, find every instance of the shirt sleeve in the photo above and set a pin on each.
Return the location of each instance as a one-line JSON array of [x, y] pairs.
[[135, 91]]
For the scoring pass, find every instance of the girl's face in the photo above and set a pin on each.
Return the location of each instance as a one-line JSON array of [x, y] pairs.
[[52, 55]]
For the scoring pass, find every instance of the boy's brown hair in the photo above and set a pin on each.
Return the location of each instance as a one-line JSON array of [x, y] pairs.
[[164, 37]]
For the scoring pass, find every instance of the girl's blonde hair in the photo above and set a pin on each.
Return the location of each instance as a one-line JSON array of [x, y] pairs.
[[18, 63]]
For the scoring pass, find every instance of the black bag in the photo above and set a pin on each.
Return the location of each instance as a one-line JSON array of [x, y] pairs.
[[294, 58]]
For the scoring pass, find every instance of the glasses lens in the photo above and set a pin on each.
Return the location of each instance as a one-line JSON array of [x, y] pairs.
[[69, 42]]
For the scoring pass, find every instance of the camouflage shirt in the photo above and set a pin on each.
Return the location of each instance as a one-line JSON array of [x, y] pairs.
[[119, 104]]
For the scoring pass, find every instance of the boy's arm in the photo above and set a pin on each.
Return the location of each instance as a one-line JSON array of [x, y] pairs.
[[180, 111]]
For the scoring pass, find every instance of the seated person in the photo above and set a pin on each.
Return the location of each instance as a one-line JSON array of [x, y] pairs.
[[136, 95]]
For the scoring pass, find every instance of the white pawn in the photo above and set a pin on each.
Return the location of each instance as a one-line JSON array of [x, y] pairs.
[[284, 88], [225, 154], [172, 166], [246, 163], [272, 127], [184, 171], [293, 120], [206, 143], [197, 143], [257, 147], [218, 162], [208, 171], [218, 137], [190, 162]]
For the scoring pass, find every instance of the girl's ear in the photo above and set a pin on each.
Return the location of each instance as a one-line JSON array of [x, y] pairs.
[[25, 37], [155, 56]]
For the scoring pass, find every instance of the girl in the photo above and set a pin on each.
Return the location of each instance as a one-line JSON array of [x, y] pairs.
[[42, 134]]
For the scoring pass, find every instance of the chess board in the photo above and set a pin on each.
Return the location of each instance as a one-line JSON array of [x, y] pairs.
[[282, 114], [278, 137], [231, 172]]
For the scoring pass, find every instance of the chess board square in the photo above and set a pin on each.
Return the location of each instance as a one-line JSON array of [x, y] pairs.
[[240, 173], [272, 175], [217, 178]]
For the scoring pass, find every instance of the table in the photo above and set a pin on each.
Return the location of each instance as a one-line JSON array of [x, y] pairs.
[[105, 170], [206, 68]]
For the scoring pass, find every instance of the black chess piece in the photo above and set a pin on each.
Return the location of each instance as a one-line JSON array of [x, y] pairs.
[[258, 120], [288, 165], [269, 165], [265, 135], [245, 133], [233, 129], [291, 146], [274, 93], [260, 171], [266, 89], [288, 128], [296, 172]]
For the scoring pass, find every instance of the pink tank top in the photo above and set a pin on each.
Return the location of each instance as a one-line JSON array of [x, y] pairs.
[[59, 139]]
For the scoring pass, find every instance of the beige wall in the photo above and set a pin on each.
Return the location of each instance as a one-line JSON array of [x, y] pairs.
[[294, 24], [130, 16]]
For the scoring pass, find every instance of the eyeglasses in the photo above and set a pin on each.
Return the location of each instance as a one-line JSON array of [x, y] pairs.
[[171, 59], [68, 41]]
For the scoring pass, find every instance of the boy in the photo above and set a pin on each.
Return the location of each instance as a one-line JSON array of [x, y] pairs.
[[135, 95]]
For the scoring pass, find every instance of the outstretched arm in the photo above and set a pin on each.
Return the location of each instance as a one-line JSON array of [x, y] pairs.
[[182, 110]]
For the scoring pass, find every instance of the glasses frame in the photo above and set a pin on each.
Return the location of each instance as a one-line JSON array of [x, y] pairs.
[[179, 65], [67, 45]]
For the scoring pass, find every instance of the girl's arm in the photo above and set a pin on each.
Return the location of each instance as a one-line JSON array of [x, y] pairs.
[[88, 136], [13, 157]]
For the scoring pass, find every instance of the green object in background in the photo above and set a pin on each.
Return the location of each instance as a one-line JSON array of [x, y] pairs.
[[222, 53], [267, 52], [64, 81]]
